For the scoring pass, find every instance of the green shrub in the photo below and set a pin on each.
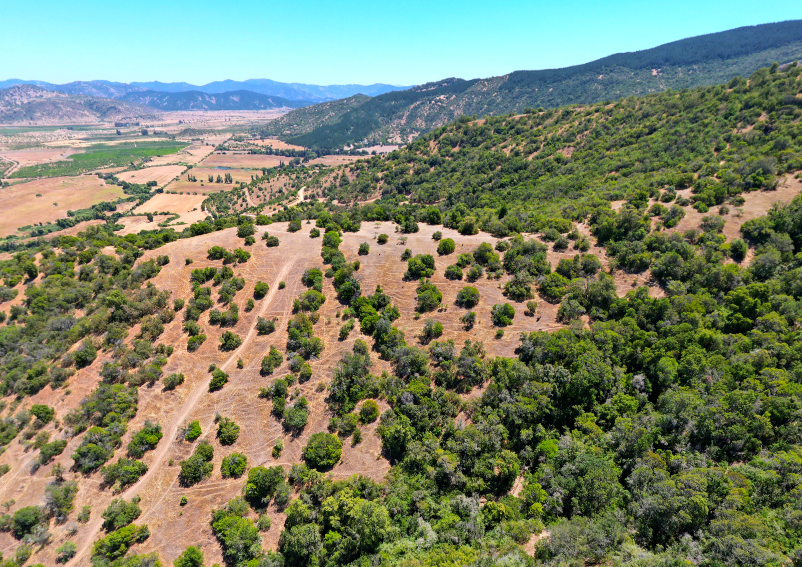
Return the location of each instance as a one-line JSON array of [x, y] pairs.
[[25, 520], [446, 246], [123, 473], [227, 431], [193, 431], [431, 330], [116, 544], [229, 341], [195, 342], [364, 249], [66, 551], [429, 297], [467, 297], [120, 513], [173, 381], [323, 451], [192, 557], [233, 465], [382, 239], [453, 272], [49, 451], [262, 485], [369, 412], [260, 290], [296, 416], [502, 314], [198, 466], [219, 379], [421, 266], [272, 361], [145, 439]]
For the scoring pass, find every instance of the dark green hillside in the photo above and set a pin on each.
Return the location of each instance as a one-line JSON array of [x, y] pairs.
[[668, 430], [699, 61], [721, 140], [303, 120]]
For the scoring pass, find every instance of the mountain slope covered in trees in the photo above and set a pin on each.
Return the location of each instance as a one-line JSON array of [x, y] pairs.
[[704, 60], [654, 425]]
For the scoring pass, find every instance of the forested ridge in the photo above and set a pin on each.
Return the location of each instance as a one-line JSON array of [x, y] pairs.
[[403, 115], [653, 429]]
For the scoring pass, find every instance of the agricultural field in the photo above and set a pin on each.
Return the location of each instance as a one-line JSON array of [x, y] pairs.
[[47, 200], [162, 174], [188, 207], [242, 161], [97, 156], [190, 155]]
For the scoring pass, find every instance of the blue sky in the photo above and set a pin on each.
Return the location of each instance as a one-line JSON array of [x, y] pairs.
[[363, 42]]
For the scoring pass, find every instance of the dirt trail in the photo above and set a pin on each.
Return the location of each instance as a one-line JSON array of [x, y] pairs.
[[171, 430], [299, 199], [248, 196]]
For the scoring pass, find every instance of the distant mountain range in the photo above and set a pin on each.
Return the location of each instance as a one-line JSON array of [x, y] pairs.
[[29, 104], [197, 100], [288, 91], [401, 116]]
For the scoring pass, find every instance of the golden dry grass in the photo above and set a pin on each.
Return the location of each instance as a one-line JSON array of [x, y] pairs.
[[188, 206], [22, 207], [161, 174], [249, 161]]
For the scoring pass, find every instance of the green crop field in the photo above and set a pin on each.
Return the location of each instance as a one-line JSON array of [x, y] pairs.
[[99, 156]]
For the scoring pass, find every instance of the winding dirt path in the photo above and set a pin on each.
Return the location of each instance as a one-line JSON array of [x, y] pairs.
[[171, 430]]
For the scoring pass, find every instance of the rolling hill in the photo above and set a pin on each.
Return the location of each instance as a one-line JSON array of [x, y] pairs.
[[28, 104], [403, 115], [196, 100]]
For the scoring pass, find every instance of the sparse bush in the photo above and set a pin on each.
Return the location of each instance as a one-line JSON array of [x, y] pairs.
[[173, 381], [431, 330]]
